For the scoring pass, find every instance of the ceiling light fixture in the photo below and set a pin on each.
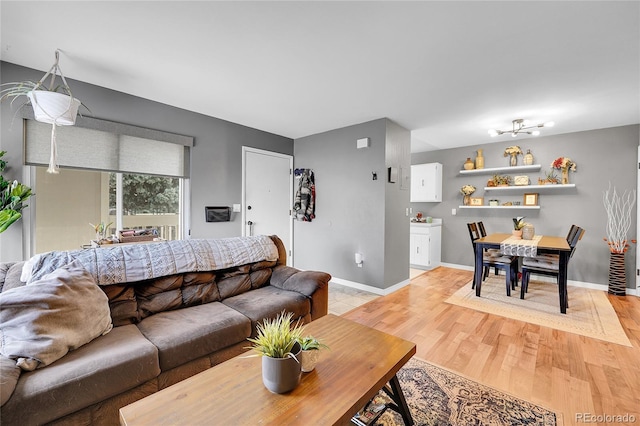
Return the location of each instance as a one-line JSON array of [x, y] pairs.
[[520, 126]]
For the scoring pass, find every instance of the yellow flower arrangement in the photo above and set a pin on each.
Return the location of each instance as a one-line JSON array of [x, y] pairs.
[[512, 150], [467, 189]]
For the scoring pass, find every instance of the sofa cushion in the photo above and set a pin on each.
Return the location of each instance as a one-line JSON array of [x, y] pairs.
[[199, 288], [41, 322], [122, 303], [305, 282], [159, 294], [105, 367], [268, 302], [10, 275], [9, 374], [186, 334], [231, 286]]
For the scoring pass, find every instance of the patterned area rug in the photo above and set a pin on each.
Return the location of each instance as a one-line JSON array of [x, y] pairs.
[[438, 397], [589, 314]]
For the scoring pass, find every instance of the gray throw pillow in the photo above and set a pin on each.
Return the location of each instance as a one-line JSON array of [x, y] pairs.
[[42, 321]]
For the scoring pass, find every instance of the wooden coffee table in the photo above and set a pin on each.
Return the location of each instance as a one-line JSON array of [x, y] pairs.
[[359, 363]]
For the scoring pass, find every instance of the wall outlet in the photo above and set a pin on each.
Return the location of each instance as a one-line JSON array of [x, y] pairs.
[[453, 212]]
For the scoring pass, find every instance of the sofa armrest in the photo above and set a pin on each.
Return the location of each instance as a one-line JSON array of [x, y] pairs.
[[312, 284]]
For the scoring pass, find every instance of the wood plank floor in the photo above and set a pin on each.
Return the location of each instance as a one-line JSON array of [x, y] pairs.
[[562, 371]]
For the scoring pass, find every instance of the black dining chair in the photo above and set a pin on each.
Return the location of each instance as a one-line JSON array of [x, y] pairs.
[[495, 260], [483, 233], [549, 264]]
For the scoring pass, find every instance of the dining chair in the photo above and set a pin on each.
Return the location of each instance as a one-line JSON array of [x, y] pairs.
[[483, 233], [548, 264], [495, 259]]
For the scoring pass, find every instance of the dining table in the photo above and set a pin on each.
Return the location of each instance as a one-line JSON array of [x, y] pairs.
[[545, 244]]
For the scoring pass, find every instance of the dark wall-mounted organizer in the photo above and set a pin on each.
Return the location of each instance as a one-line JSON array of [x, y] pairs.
[[217, 214]]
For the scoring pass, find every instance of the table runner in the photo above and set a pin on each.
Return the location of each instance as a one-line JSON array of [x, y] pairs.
[[514, 246]]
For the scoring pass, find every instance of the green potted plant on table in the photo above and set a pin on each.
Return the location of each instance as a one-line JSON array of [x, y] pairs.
[[310, 352], [12, 198], [278, 343], [518, 224]]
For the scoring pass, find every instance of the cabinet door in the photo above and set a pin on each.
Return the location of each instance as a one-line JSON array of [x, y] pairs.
[[419, 244], [426, 182]]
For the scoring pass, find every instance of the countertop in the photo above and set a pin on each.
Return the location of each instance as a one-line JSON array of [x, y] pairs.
[[436, 222]]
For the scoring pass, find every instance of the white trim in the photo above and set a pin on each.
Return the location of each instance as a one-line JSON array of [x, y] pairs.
[[370, 289], [582, 284]]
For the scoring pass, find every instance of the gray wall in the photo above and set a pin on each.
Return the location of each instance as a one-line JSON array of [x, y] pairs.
[[351, 213], [602, 156], [216, 159]]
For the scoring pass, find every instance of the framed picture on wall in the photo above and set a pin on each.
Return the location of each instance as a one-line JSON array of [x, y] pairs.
[[531, 199]]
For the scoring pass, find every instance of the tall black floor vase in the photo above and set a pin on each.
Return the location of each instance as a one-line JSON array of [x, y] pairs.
[[617, 276]]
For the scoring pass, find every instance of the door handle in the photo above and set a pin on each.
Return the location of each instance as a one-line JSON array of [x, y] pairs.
[[250, 223]]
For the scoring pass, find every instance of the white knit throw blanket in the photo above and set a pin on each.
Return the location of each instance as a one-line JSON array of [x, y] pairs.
[[136, 262]]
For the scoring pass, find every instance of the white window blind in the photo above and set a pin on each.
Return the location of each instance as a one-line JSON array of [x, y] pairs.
[[102, 145]]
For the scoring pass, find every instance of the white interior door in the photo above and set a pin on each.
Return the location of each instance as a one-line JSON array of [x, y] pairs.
[[267, 195]]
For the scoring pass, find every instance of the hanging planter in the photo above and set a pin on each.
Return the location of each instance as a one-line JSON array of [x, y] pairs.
[[54, 108], [54, 105]]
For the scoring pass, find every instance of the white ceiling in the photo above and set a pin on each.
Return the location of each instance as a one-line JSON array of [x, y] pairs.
[[447, 71]]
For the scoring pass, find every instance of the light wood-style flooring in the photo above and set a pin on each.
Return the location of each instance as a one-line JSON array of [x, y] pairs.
[[562, 371]]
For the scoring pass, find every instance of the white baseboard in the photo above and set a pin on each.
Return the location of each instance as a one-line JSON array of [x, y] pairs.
[[370, 289], [583, 284]]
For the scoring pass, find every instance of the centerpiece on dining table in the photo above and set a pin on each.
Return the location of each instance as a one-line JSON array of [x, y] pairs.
[[518, 224]]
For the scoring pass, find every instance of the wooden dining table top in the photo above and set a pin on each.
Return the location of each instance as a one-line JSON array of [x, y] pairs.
[[546, 242]]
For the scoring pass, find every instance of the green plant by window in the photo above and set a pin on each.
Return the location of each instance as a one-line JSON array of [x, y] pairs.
[[13, 194]]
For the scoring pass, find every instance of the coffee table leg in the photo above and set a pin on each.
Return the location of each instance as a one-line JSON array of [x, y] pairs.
[[398, 398]]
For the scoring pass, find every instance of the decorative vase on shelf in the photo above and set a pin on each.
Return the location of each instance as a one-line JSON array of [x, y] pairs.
[[479, 160], [527, 160], [468, 165], [466, 200], [513, 160], [565, 175]]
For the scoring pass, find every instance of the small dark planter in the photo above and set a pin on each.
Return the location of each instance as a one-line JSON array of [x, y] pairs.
[[281, 375]]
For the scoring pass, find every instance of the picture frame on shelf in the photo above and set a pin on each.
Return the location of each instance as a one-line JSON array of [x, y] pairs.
[[530, 199], [476, 201]]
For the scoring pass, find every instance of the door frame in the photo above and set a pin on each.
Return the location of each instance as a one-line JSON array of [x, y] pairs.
[[245, 151]]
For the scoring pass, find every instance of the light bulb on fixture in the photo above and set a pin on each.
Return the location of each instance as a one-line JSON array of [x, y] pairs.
[[521, 126]]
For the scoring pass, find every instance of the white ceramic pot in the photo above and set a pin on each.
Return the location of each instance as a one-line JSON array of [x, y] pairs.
[[53, 107], [309, 359]]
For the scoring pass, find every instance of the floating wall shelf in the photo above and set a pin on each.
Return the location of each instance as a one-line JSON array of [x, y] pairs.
[[529, 187], [496, 170], [502, 207]]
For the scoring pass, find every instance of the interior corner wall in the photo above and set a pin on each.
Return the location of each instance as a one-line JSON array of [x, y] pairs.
[[216, 158], [603, 157], [350, 214], [397, 200]]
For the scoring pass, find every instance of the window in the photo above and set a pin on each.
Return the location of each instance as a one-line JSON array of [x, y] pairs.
[[121, 176]]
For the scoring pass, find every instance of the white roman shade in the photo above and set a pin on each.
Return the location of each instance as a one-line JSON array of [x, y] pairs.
[[107, 146]]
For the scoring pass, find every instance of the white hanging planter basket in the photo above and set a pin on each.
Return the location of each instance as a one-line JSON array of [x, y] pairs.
[[54, 108]]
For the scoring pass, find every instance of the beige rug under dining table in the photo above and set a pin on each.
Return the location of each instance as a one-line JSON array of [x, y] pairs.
[[546, 244]]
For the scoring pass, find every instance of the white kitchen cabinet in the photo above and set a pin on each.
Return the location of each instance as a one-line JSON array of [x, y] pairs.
[[425, 244], [426, 182]]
